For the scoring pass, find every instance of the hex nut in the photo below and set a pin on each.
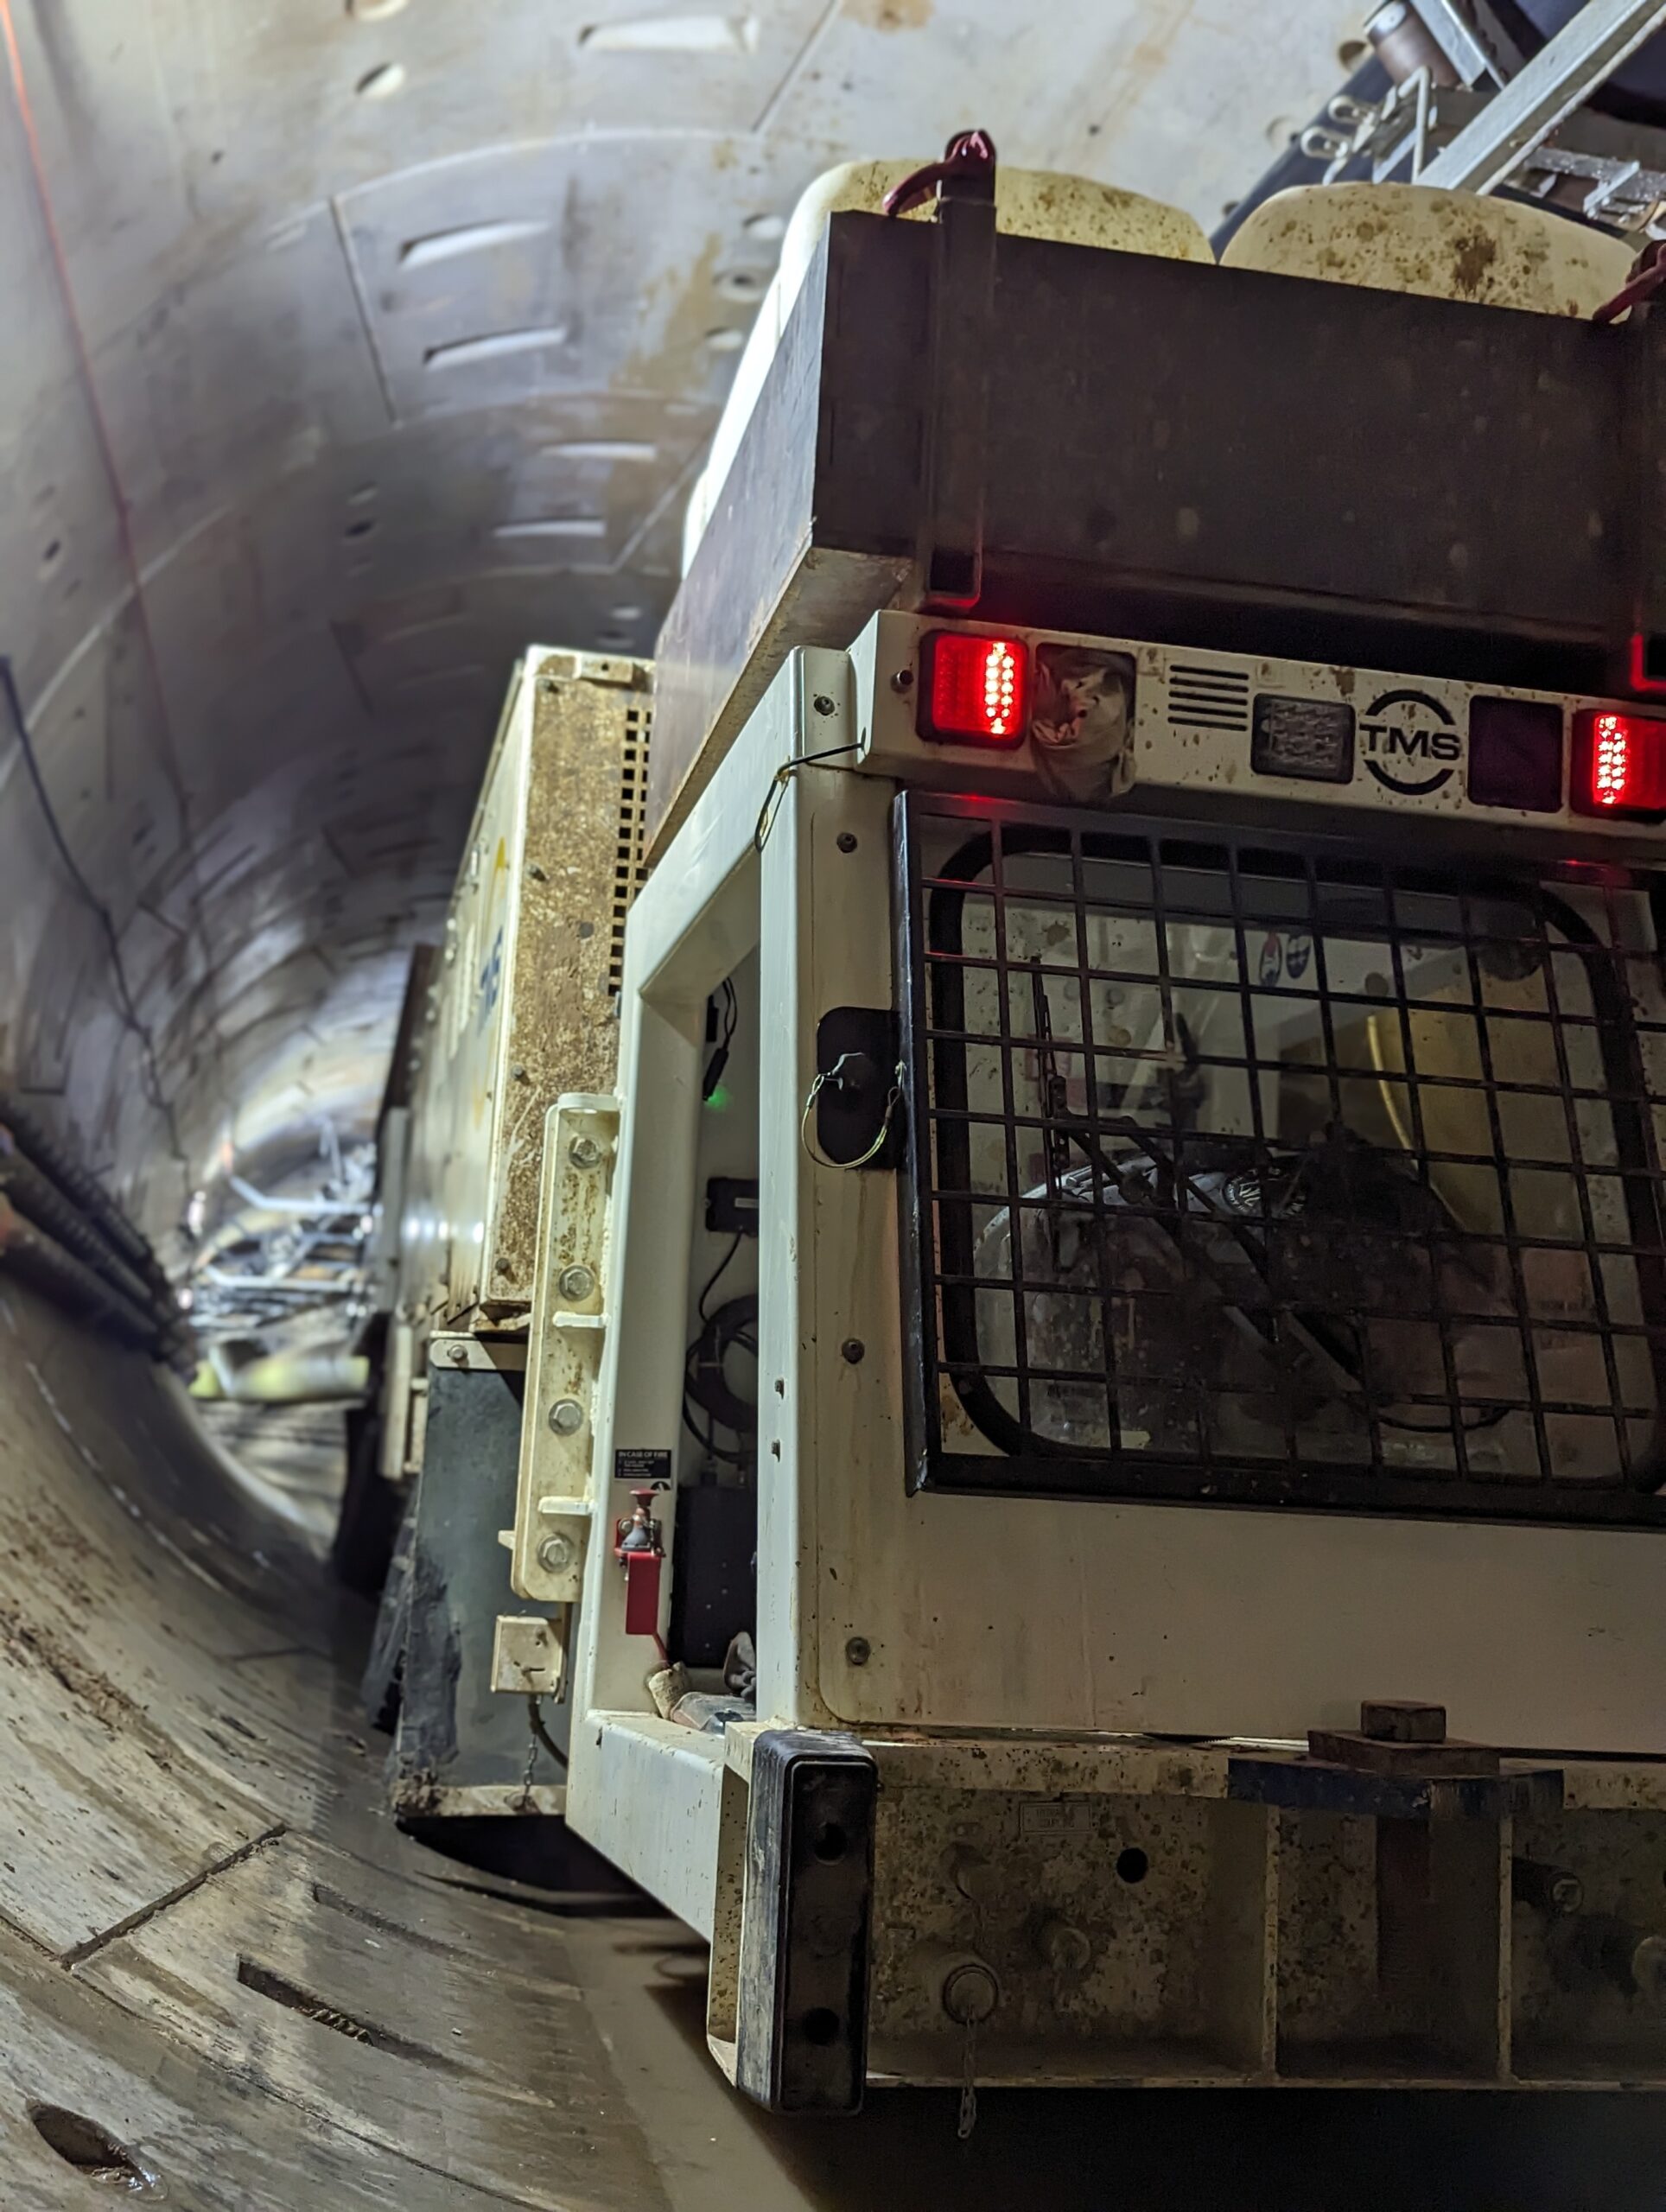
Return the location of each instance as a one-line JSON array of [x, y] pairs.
[[576, 1282], [567, 1416], [584, 1151], [556, 1553]]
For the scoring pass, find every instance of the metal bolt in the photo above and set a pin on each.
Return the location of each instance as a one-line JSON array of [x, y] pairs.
[[852, 1350], [576, 1282], [823, 705], [858, 1651], [557, 1553], [1061, 1947], [903, 680], [567, 1416], [518, 1072], [846, 840], [458, 1355], [584, 1151]]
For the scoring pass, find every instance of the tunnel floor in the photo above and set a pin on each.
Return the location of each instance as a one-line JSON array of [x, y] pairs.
[[228, 1982]]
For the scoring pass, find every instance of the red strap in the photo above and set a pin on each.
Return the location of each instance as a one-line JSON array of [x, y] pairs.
[[1645, 281], [968, 153]]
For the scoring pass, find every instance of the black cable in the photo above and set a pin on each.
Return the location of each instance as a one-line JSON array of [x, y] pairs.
[[535, 1719], [90, 898], [716, 1276]]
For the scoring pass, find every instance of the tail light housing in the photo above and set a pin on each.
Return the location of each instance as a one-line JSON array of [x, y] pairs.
[[973, 690], [1619, 765]]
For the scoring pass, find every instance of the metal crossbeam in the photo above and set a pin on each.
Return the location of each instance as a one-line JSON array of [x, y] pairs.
[[1559, 79]]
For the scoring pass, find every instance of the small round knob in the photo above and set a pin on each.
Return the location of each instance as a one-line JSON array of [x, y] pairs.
[[970, 1993]]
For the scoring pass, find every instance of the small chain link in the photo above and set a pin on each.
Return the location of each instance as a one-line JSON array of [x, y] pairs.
[[969, 2085], [532, 1755]]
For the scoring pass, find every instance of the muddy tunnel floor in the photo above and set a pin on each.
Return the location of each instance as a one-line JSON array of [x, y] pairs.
[[229, 1982]]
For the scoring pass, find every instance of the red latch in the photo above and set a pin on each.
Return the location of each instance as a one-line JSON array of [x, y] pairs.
[[639, 1549]]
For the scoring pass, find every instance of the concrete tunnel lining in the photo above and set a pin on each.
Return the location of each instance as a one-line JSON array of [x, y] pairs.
[[292, 463]]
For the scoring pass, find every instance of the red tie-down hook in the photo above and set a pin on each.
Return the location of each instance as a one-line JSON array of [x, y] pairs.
[[640, 1549]]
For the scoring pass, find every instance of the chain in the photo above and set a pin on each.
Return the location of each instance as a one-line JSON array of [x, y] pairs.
[[526, 1776], [969, 2085]]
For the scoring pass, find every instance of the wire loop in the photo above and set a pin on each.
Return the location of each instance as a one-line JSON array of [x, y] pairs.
[[893, 1099]]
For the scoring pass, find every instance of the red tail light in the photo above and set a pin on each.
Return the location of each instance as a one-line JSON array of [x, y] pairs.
[[973, 690], [1620, 764]]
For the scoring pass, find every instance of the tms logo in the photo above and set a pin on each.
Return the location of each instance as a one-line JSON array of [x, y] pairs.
[[1408, 726]]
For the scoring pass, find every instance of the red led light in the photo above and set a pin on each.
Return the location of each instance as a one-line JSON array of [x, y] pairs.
[[1620, 764], [976, 689]]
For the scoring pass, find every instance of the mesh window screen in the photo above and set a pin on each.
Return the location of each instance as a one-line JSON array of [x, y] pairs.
[[1275, 1173]]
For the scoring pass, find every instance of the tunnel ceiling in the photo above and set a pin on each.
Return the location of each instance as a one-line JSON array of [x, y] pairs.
[[347, 350]]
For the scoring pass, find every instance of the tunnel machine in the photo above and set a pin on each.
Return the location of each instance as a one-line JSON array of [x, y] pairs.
[[1157, 893]]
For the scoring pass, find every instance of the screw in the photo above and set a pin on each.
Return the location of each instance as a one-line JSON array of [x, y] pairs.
[[853, 1348], [846, 840], [458, 1355], [584, 1151], [903, 680], [576, 1282], [823, 705], [858, 1651], [555, 1553], [566, 1416]]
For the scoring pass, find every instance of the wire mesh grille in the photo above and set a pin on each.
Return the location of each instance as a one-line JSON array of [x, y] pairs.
[[1279, 1174]]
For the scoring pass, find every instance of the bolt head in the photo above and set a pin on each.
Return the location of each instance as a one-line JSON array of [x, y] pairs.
[[903, 680], [846, 840], [858, 1650], [1065, 1948], [557, 1553], [824, 704], [458, 1355], [584, 1151], [851, 1351], [567, 1416], [576, 1282], [1648, 1972]]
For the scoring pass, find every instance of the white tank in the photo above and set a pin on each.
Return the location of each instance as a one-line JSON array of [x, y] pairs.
[[1445, 246], [1028, 203]]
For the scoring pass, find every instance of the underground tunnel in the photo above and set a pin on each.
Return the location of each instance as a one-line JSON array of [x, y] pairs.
[[350, 350]]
